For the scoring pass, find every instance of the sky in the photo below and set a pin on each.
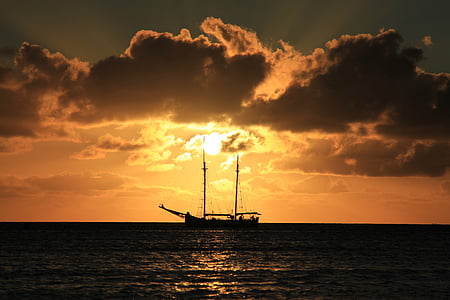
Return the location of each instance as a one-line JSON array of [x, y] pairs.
[[339, 112]]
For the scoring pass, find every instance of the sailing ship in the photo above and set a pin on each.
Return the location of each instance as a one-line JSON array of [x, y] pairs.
[[237, 219]]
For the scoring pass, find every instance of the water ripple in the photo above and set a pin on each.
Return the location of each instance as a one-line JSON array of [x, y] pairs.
[[169, 261]]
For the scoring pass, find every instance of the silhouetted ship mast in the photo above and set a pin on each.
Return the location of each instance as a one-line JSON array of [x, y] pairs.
[[237, 219]]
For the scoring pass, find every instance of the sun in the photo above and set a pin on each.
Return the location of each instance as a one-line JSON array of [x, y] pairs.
[[212, 143]]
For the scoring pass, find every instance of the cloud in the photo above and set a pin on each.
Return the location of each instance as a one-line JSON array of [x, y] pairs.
[[184, 157], [147, 157], [267, 184], [319, 184], [160, 167], [153, 143], [14, 187], [240, 140], [15, 145], [285, 62], [367, 156], [18, 112], [90, 152], [41, 89], [72, 183], [108, 143], [112, 143], [77, 182], [370, 79], [159, 74], [237, 41], [230, 76], [362, 78], [222, 185], [191, 79], [54, 69]]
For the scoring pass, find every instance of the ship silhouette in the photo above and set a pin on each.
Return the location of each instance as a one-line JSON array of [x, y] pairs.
[[237, 219]]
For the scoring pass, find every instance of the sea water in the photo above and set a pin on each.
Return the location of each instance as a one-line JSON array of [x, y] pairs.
[[273, 261]]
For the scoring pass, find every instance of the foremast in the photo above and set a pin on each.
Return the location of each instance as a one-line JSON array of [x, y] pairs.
[[237, 187], [204, 184]]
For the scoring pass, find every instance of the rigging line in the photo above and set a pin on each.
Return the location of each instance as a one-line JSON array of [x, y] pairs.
[[242, 198], [245, 200], [211, 194], [216, 192]]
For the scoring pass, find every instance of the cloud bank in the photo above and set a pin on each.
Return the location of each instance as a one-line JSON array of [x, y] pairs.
[[228, 75]]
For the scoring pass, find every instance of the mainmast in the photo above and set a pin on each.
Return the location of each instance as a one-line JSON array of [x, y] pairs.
[[204, 184], [237, 187]]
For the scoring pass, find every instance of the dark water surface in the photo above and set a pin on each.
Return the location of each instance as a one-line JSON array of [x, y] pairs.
[[274, 261]]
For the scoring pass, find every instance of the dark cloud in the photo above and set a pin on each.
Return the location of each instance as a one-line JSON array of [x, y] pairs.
[[18, 113], [239, 141], [366, 79], [361, 78], [40, 63], [423, 112], [112, 143], [109, 143], [159, 73], [369, 157], [377, 158], [32, 93]]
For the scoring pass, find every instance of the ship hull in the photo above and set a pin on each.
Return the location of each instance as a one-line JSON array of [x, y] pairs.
[[195, 222]]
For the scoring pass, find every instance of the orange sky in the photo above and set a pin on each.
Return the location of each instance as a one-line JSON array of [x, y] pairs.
[[354, 131]]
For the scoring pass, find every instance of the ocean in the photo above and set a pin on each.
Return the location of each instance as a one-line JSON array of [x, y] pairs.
[[273, 261]]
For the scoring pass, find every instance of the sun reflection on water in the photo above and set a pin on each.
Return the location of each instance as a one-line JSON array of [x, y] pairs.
[[211, 271], [212, 264]]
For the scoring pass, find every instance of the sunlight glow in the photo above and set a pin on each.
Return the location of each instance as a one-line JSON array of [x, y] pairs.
[[213, 143]]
